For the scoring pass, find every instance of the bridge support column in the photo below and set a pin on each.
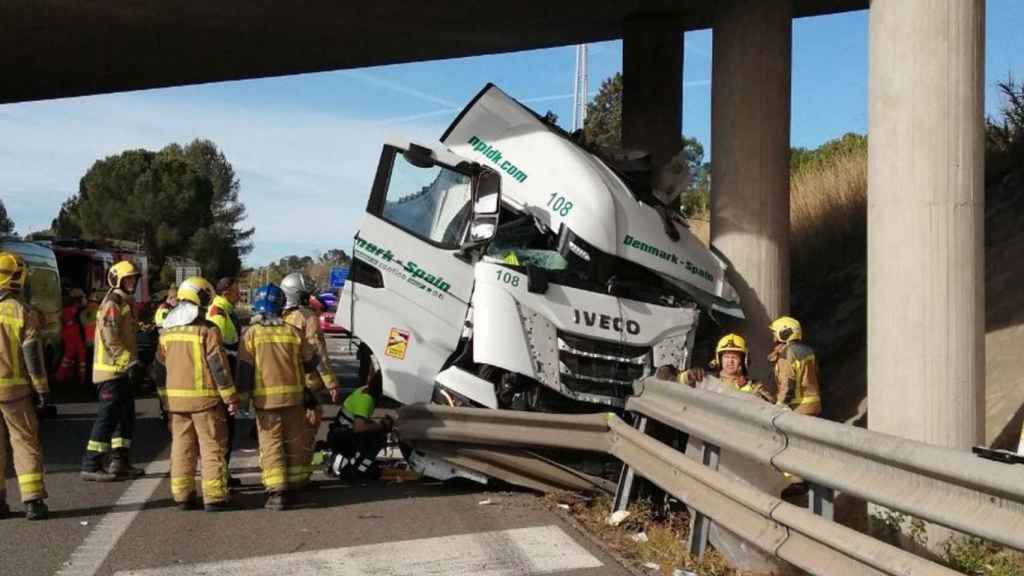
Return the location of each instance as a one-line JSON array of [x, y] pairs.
[[750, 100], [926, 296], [652, 86]]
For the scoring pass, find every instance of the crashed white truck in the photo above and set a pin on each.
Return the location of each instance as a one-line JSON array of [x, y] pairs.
[[514, 269]]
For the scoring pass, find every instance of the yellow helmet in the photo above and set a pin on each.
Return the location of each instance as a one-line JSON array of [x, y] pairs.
[[119, 271], [197, 291], [786, 329], [13, 272], [731, 343]]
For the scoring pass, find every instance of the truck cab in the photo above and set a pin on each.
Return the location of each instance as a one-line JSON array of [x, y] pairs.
[[512, 268]]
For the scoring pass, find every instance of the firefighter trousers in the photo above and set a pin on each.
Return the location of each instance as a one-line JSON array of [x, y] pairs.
[[202, 434], [313, 417], [19, 424], [283, 459], [115, 423]]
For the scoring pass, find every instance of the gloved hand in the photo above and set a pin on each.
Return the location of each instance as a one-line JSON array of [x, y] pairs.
[[233, 408], [694, 375], [335, 395], [42, 400], [387, 423]]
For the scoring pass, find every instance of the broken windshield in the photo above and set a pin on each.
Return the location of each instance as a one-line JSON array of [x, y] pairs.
[[568, 260]]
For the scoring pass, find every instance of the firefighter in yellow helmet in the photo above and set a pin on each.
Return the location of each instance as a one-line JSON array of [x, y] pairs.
[[170, 301], [731, 365], [298, 288], [222, 314], [794, 368], [116, 372], [22, 369], [194, 382], [272, 362]]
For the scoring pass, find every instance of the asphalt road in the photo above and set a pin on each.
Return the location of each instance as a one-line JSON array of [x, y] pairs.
[[383, 528]]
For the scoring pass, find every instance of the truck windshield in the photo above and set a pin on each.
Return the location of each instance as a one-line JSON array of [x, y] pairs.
[[570, 261], [45, 289]]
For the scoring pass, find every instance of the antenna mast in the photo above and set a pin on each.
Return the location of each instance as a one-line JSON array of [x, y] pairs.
[[580, 85]]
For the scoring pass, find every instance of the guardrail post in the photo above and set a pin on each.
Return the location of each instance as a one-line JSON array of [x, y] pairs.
[[821, 500], [624, 490], [700, 525]]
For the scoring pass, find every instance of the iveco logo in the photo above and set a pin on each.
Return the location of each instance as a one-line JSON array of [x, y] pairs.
[[605, 322]]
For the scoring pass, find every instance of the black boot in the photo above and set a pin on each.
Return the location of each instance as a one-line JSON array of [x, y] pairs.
[[5, 510], [121, 465], [222, 506], [276, 501], [36, 510]]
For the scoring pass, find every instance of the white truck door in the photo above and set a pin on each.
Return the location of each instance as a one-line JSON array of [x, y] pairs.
[[408, 291]]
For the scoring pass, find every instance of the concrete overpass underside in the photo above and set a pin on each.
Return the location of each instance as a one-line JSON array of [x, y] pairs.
[[61, 48]]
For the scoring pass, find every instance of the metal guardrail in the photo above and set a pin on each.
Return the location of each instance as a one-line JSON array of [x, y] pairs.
[[948, 487], [811, 542]]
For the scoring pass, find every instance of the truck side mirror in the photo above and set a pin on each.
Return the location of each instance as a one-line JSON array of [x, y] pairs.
[[486, 206]]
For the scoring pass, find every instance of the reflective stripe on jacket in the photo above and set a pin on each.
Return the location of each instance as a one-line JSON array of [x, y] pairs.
[[17, 326], [196, 366], [796, 376], [271, 362], [115, 338], [306, 320]]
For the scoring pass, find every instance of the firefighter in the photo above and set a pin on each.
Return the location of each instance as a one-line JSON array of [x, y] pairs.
[[272, 359], [298, 289], [731, 366], [794, 368], [72, 364], [195, 387], [22, 369], [355, 438], [115, 372], [222, 314], [170, 301]]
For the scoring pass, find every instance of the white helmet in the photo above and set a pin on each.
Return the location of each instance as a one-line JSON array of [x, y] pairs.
[[297, 288]]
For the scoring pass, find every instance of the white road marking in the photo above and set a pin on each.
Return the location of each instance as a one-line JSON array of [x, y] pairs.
[[520, 552], [97, 546]]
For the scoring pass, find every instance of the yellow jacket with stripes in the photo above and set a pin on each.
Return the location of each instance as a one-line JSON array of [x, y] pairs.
[[796, 378], [115, 347], [18, 326], [306, 320], [272, 363], [192, 371]]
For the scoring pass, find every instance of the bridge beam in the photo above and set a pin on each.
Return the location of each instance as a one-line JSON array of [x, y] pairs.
[[750, 109], [926, 297], [652, 85]]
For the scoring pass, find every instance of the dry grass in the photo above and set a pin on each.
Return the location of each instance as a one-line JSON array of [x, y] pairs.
[[665, 544], [828, 215]]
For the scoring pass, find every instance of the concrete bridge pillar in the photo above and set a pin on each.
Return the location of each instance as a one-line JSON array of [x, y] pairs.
[[750, 100], [652, 86], [926, 297]]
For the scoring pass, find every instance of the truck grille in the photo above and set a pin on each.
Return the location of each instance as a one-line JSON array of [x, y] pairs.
[[595, 368]]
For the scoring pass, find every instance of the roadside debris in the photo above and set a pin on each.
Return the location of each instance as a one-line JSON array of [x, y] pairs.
[[616, 518]]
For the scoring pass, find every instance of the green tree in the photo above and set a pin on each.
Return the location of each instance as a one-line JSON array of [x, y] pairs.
[[6, 224], [173, 202], [603, 125]]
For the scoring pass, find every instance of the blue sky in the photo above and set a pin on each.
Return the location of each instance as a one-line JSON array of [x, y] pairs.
[[305, 146]]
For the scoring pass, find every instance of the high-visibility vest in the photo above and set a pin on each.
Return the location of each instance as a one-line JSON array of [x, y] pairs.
[[197, 373], [161, 314], [106, 365], [276, 354], [220, 314]]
